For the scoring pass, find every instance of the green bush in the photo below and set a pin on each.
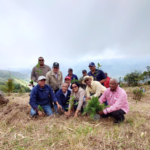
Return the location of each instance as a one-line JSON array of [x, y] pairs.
[[137, 94], [93, 107]]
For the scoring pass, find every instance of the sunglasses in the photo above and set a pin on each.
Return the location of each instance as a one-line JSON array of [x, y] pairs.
[[73, 87], [41, 60], [86, 80]]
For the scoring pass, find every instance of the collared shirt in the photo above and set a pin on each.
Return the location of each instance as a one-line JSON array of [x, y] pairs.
[[106, 83], [116, 100], [56, 75], [65, 94], [69, 88], [98, 75], [54, 82], [96, 88], [35, 72], [73, 77]]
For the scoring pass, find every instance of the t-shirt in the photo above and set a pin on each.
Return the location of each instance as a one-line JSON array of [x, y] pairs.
[[73, 77], [106, 83], [98, 75]]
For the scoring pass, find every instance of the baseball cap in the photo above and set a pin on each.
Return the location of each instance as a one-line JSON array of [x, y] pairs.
[[70, 69], [67, 78], [84, 71], [91, 64], [41, 78], [56, 64]]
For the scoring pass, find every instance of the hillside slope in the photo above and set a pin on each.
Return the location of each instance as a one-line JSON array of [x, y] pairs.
[[18, 77]]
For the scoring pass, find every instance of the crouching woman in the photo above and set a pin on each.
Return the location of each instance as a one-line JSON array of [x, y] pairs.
[[77, 96]]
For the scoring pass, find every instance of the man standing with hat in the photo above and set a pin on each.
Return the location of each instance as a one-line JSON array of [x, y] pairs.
[[98, 75], [84, 72], [40, 97], [71, 75], [54, 78]]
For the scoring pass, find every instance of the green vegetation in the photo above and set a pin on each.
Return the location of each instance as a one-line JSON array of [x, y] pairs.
[[136, 77], [17, 77], [93, 107], [138, 93]]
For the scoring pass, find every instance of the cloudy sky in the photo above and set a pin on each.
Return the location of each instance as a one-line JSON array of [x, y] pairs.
[[114, 33]]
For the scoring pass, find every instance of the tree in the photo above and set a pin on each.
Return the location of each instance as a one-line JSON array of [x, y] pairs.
[[9, 86]]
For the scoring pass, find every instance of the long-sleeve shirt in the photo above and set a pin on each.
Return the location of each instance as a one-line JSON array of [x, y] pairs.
[[35, 72], [79, 96], [95, 89], [116, 100], [54, 81], [41, 96]]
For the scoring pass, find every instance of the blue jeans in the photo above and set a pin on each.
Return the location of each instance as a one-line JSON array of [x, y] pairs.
[[47, 109]]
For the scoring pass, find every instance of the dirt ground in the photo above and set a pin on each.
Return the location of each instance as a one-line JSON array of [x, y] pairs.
[[19, 131]]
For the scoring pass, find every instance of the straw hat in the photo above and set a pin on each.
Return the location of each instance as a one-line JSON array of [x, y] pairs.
[[87, 77]]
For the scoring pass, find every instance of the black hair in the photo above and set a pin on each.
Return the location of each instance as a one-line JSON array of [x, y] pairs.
[[78, 85], [40, 57]]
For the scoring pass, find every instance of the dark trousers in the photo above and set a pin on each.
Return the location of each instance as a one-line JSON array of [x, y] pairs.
[[118, 115]]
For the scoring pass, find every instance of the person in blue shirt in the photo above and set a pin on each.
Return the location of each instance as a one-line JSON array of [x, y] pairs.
[[63, 96], [41, 95], [71, 75], [98, 75]]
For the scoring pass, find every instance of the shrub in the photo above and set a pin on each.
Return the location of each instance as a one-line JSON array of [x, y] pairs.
[[93, 107], [138, 93]]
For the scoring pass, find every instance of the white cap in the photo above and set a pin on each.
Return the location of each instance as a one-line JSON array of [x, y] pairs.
[[41, 78]]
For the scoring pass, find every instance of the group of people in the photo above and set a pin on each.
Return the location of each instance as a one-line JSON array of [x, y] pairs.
[[70, 96]]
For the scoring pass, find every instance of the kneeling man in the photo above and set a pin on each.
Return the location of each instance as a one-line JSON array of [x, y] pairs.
[[41, 95], [93, 88], [117, 100], [63, 96]]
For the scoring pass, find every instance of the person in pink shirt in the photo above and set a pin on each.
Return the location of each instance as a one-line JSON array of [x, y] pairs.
[[117, 102]]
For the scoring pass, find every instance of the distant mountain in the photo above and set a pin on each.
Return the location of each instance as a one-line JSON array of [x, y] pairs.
[[18, 77]]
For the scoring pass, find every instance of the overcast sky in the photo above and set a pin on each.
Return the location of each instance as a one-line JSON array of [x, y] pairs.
[[114, 33]]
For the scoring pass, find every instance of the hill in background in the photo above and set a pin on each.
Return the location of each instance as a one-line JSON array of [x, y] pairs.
[[18, 77]]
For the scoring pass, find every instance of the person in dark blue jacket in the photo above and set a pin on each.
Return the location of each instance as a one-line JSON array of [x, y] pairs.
[[71, 75], [98, 75], [41, 95], [63, 96]]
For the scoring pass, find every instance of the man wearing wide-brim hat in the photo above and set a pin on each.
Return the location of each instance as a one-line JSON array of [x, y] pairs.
[[93, 88]]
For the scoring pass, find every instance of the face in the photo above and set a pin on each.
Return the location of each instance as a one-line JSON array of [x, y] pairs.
[[92, 68], [41, 83], [55, 69], [70, 72], [75, 87], [84, 74], [68, 81], [41, 61], [64, 87], [106, 74], [113, 85], [88, 82]]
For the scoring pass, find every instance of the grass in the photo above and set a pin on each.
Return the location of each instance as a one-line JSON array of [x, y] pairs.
[[18, 131]]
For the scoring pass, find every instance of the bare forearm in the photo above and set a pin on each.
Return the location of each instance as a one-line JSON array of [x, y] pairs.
[[102, 81]]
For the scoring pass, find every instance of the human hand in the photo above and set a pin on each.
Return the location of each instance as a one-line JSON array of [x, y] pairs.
[[41, 114], [101, 112], [87, 99]]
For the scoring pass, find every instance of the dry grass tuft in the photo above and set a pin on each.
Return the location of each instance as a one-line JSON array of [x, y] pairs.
[[18, 131]]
